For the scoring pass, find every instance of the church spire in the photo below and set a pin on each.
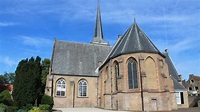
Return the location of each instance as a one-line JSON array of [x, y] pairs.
[[98, 31]]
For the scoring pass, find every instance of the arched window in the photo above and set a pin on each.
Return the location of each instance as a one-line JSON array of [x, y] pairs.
[[61, 87], [116, 74], [132, 74], [82, 88]]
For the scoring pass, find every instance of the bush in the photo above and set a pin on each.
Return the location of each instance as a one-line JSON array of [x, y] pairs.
[[36, 109], [22, 110], [44, 107], [2, 107], [47, 100], [5, 98], [11, 109]]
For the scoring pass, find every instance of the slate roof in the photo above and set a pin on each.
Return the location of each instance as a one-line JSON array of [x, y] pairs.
[[71, 58], [173, 73], [172, 70], [177, 85], [133, 41]]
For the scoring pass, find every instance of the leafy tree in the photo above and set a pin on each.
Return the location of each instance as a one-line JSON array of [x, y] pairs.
[[9, 77], [27, 84], [45, 72], [3, 81]]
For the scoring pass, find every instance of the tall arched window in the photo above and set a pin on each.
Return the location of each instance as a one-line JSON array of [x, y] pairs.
[[61, 87], [82, 88], [116, 74], [132, 74]]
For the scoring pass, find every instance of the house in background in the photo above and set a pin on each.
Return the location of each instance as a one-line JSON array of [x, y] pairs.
[[131, 75], [193, 85]]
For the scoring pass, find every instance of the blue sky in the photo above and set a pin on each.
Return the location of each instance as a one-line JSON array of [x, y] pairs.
[[28, 27]]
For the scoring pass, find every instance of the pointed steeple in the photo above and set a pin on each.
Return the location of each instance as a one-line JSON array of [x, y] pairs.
[[133, 41], [98, 31]]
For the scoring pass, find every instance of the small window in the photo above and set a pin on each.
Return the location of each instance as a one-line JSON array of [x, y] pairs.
[[182, 98], [60, 88], [179, 98], [196, 88], [190, 88], [191, 81], [82, 88]]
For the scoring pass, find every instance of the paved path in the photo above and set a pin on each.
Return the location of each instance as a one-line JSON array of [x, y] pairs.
[[194, 109]]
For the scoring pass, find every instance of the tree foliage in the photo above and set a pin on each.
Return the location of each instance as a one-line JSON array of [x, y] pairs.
[[45, 72], [3, 80], [27, 84], [5, 97], [9, 77]]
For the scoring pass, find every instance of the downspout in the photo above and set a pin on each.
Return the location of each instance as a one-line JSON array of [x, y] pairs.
[[50, 71], [73, 97], [141, 72]]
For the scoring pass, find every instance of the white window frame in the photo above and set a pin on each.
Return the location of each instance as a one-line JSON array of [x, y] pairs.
[[178, 97], [61, 88], [81, 86]]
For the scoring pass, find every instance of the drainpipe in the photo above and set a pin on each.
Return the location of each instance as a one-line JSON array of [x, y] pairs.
[[141, 72], [52, 80], [73, 93]]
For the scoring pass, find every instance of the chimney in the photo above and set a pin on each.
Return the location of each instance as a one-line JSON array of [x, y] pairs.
[[166, 50], [180, 77], [119, 36]]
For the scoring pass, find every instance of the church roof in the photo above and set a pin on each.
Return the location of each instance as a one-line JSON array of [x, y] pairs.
[[71, 58], [133, 41], [98, 31], [177, 85], [172, 70], [173, 73]]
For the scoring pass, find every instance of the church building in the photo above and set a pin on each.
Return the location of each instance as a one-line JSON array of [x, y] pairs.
[[131, 75]]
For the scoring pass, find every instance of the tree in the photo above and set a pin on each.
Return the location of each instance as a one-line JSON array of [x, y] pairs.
[[3, 81], [27, 84], [9, 77], [45, 72]]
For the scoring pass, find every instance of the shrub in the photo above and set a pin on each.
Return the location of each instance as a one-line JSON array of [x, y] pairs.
[[22, 110], [5, 97], [47, 100], [36, 109], [44, 107], [11, 109], [2, 107]]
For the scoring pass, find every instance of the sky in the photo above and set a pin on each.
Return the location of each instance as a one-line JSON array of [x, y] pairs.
[[28, 27]]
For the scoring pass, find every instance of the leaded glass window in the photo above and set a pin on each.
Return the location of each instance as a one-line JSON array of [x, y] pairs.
[[132, 74]]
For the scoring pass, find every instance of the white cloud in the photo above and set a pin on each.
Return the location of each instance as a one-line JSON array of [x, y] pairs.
[[7, 61], [7, 24], [185, 44], [36, 41]]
